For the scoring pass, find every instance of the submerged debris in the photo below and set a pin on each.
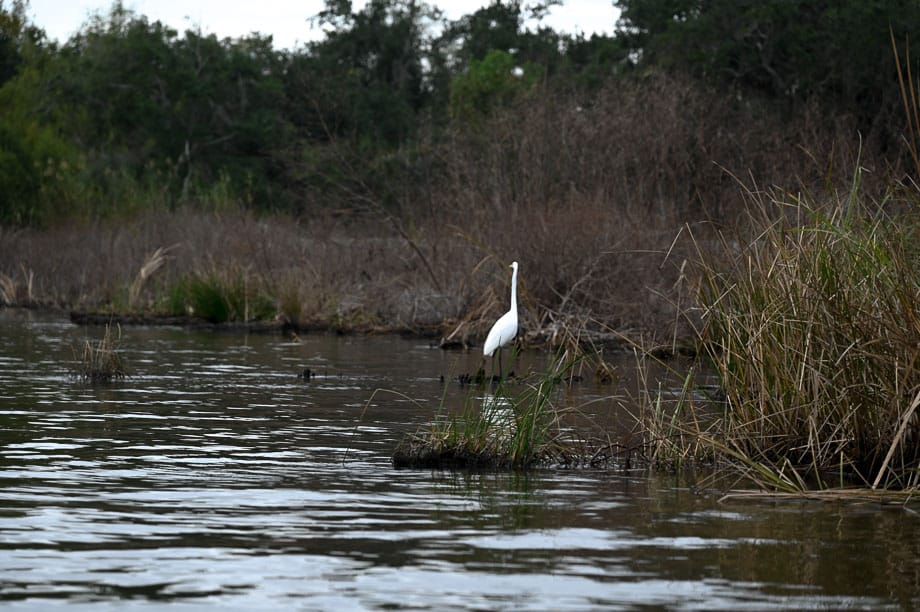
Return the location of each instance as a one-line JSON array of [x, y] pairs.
[[419, 454], [480, 377]]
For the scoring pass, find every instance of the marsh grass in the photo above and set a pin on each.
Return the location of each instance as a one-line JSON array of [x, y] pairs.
[[814, 333], [101, 362], [514, 424]]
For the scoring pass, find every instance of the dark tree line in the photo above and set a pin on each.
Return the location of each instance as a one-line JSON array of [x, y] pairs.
[[836, 51], [131, 113]]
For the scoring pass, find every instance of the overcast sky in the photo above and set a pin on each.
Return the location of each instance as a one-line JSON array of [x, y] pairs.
[[285, 20]]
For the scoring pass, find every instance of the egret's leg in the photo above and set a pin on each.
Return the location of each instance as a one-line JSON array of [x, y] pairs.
[[501, 370]]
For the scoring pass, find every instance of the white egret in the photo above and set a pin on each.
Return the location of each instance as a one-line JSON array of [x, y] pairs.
[[505, 329]]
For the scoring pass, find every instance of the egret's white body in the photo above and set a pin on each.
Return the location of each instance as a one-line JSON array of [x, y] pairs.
[[505, 329]]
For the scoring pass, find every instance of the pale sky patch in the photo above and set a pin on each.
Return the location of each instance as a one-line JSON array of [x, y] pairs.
[[286, 20]]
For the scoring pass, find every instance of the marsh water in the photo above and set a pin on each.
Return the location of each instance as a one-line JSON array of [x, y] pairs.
[[217, 477]]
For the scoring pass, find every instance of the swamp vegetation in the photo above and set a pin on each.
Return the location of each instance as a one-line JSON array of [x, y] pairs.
[[666, 189]]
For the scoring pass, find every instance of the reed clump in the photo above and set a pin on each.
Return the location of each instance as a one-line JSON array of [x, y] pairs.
[[101, 362], [814, 331]]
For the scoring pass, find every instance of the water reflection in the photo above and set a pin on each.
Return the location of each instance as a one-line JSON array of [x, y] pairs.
[[218, 477]]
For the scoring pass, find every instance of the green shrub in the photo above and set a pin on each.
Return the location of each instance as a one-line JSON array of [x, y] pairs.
[[219, 298], [36, 171], [490, 83]]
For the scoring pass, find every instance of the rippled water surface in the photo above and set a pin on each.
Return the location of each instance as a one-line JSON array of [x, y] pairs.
[[216, 478]]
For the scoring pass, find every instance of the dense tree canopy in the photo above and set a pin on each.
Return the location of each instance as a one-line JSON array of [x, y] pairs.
[[130, 107], [367, 75], [838, 51]]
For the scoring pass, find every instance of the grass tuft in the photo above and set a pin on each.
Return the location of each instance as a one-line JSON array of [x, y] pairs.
[[101, 362]]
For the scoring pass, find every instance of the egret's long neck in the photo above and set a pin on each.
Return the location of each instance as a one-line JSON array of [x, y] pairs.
[[514, 289]]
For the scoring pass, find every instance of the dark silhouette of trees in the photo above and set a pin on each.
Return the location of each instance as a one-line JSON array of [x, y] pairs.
[[835, 51]]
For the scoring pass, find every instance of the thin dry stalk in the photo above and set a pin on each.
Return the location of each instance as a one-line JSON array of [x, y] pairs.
[[29, 278], [899, 439], [909, 96]]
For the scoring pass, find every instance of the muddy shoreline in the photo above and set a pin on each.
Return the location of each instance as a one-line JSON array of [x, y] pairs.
[[542, 339], [88, 318]]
